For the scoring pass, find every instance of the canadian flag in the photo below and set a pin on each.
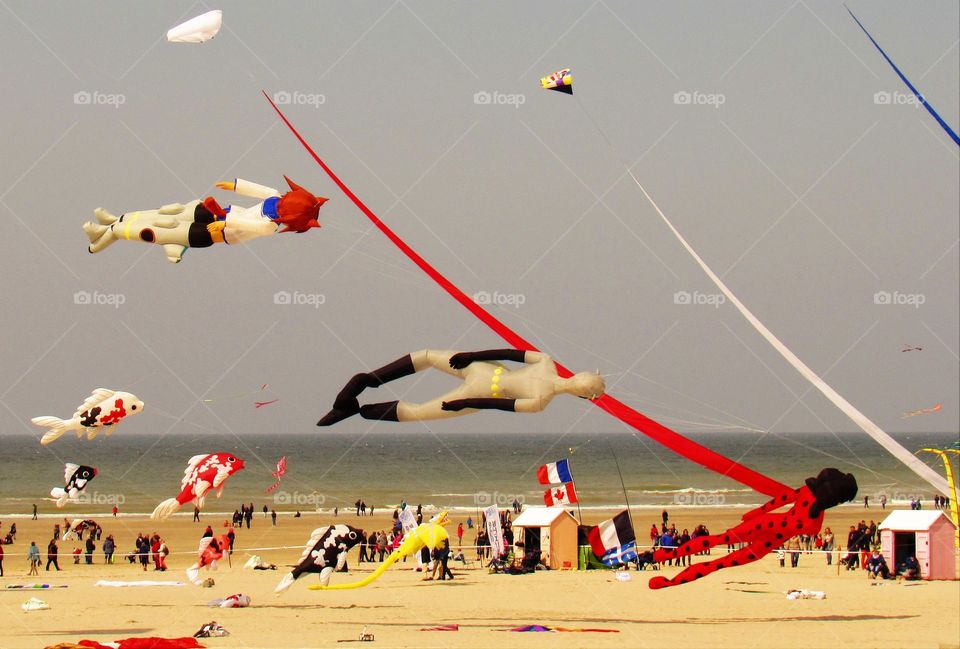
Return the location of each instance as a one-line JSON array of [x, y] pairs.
[[563, 494]]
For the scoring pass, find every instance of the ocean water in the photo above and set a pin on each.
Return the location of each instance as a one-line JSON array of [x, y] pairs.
[[457, 471]]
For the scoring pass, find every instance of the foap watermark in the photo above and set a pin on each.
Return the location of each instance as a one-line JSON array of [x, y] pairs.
[[897, 98], [896, 298], [496, 98], [697, 98], [699, 299], [486, 298], [298, 498], [96, 298], [97, 498], [296, 298], [487, 498], [699, 499], [297, 98], [97, 98]]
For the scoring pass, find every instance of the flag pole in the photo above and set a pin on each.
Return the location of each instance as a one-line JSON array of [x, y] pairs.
[[622, 486], [579, 512]]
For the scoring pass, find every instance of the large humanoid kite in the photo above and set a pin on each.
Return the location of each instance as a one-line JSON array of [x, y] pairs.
[[203, 473], [202, 223], [325, 552], [763, 530], [487, 384], [104, 409], [426, 535], [75, 477]]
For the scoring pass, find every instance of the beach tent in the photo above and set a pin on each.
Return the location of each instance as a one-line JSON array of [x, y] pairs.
[[553, 531], [926, 534]]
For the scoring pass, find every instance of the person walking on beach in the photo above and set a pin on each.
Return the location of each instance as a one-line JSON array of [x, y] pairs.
[[109, 547], [357, 505], [115, 511], [665, 516], [444, 559], [143, 551], [1, 560], [273, 516], [34, 512], [459, 535], [248, 516], [52, 551], [866, 502], [33, 556], [363, 508], [56, 530], [883, 501]]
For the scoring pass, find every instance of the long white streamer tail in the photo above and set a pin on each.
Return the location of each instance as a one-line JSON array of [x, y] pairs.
[[870, 428]]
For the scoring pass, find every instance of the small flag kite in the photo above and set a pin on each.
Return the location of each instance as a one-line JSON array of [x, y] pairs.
[[612, 535], [563, 494], [555, 472], [561, 81], [281, 470]]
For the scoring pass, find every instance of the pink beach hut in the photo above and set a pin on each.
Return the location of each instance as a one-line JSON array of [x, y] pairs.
[[928, 535]]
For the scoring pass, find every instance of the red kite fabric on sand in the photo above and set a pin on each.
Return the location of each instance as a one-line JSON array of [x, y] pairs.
[[655, 431]]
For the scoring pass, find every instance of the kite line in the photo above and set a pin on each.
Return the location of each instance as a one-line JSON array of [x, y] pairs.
[[655, 431]]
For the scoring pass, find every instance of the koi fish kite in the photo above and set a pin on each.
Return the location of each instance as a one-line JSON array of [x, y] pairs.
[[199, 29], [203, 473], [103, 409], [325, 552], [76, 477]]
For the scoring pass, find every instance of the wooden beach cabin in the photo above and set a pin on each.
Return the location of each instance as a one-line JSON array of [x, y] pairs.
[[553, 531], [929, 535]]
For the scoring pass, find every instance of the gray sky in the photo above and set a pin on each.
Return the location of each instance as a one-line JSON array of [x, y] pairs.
[[806, 194]]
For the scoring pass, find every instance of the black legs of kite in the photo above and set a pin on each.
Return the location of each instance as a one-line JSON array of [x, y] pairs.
[[346, 404]]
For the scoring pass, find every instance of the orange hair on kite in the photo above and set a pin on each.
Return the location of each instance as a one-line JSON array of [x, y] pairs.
[[298, 209]]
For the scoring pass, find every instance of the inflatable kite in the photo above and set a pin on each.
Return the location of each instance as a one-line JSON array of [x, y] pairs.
[[923, 411], [426, 535], [102, 409], [76, 477], [78, 527], [487, 384], [203, 472], [202, 223], [279, 473], [211, 550], [763, 530], [561, 81], [325, 552], [197, 30]]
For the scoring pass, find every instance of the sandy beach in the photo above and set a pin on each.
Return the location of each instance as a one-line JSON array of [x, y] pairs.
[[745, 607]]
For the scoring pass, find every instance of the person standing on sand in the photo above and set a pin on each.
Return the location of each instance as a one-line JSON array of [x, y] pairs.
[[196, 514], [357, 505], [866, 502], [90, 547], [883, 501], [34, 512], [459, 535], [793, 547], [665, 516], [52, 551], [1, 560], [109, 547], [33, 556], [828, 545], [116, 510], [273, 516]]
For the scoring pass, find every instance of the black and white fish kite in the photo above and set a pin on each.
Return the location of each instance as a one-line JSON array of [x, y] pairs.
[[76, 477], [325, 552]]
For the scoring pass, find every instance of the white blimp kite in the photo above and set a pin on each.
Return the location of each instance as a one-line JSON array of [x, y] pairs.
[[197, 30]]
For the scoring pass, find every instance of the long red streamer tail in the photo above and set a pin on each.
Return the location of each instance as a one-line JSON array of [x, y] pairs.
[[657, 432]]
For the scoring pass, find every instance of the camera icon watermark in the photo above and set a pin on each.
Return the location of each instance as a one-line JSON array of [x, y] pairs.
[[296, 298], [697, 98], [496, 98], [299, 499], [297, 98], [487, 498], [696, 298], [496, 298], [698, 499], [896, 298], [97, 98], [97, 498], [897, 98], [96, 298]]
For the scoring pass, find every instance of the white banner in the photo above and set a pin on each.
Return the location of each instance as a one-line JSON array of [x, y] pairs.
[[494, 533], [407, 521]]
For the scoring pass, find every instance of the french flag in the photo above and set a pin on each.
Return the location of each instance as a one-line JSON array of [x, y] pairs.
[[555, 472], [563, 494], [612, 534]]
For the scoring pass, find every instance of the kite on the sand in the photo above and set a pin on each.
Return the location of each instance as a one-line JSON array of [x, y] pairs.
[[325, 552], [486, 384], [429, 535], [202, 223], [75, 477], [763, 530], [199, 29], [203, 473], [103, 409]]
